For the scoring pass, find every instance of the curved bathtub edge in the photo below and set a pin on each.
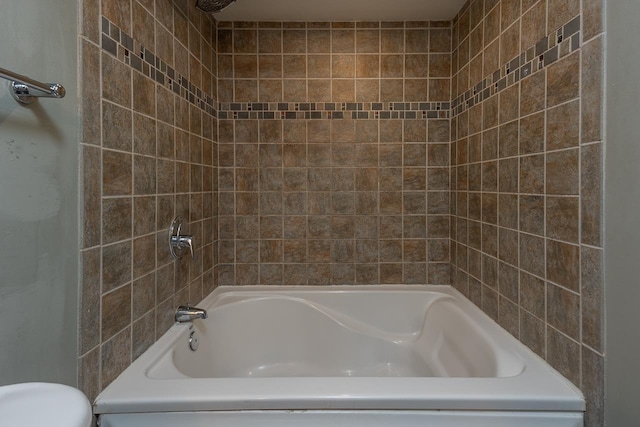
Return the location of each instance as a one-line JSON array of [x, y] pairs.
[[343, 319], [340, 393], [547, 390]]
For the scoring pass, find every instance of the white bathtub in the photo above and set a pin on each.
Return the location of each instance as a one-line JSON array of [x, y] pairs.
[[369, 356]]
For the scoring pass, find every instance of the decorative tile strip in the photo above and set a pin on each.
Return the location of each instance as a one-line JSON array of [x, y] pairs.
[[132, 53], [546, 51], [335, 110], [561, 42]]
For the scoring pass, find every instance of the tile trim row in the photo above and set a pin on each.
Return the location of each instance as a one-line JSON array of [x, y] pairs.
[[344, 25], [559, 43], [335, 110], [122, 46], [549, 49]]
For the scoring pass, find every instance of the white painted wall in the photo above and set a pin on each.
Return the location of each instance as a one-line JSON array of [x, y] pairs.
[[38, 196], [622, 224]]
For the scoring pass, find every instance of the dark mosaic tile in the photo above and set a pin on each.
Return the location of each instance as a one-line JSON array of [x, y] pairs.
[[109, 45]]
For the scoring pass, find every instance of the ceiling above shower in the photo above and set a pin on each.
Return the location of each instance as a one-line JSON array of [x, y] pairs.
[[341, 10]]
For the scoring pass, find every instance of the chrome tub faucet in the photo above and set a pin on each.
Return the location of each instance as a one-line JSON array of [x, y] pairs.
[[186, 313]]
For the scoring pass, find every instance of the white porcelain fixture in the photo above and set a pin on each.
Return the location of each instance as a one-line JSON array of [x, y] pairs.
[[43, 404], [401, 355]]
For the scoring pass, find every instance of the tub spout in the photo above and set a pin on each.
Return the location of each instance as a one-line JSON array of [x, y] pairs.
[[186, 313]]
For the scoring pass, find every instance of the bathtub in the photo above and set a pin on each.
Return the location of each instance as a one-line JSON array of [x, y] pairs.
[[354, 355]]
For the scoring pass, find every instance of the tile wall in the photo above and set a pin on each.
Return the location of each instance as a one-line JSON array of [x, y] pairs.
[[149, 153], [527, 177], [467, 152], [334, 152]]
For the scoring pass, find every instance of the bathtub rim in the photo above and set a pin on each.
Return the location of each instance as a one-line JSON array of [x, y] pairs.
[[133, 391]]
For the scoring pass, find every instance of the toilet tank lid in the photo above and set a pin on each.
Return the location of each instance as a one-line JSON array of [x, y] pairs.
[[44, 404]]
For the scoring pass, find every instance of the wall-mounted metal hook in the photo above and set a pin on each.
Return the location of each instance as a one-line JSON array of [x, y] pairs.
[[179, 244]]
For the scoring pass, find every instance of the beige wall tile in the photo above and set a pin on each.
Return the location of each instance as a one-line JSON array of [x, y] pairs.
[[510, 43], [562, 172], [270, 66], [90, 89], [116, 81], [533, 295], [532, 174], [593, 377], [491, 24], [592, 16], [591, 192], [293, 41], [532, 93], [563, 264], [563, 80], [532, 214], [532, 254], [592, 90], [561, 11], [270, 41], [563, 126], [532, 333], [563, 218], [532, 132], [116, 219], [115, 356], [90, 300], [563, 310], [117, 311], [343, 41], [534, 24], [89, 373], [440, 40], [591, 291], [564, 355], [144, 134], [510, 11], [91, 181]]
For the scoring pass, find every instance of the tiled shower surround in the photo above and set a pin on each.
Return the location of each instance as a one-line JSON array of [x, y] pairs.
[[345, 179], [526, 177], [465, 152], [149, 153]]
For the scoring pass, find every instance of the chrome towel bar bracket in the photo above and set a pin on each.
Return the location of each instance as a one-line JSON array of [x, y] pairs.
[[25, 89]]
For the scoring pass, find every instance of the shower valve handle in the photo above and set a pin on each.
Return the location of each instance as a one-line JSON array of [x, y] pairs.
[[179, 243], [184, 242]]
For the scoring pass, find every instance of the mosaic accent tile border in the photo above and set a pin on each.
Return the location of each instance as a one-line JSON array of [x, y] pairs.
[[546, 51], [336, 110], [559, 43], [121, 45], [337, 25]]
